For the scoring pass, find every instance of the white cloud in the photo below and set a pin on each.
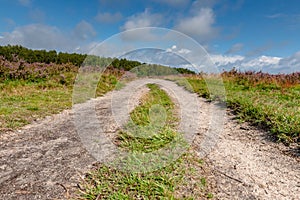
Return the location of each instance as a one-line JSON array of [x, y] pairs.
[[107, 17], [199, 26], [141, 20], [174, 49], [184, 51], [261, 63], [145, 19], [84, 30], [40, 36], [270, 64], [36, 36], [171, 49], [269, 59], [290, 64], [221, 60]]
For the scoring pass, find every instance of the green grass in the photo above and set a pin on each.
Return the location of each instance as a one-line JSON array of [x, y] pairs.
[[22, 102], [156, 134], [267, 105], [170, 182]]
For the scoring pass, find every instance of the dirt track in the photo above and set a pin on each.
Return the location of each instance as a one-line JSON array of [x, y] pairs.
[[44, 160]]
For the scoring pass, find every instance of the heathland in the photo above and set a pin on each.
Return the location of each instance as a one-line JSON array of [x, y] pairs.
[[37, 83]]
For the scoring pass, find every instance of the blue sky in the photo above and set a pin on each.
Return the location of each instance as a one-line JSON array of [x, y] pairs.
[[247, 34]]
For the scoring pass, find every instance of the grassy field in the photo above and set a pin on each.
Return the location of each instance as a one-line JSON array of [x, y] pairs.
[[22, 101], [268, 101], [181, 179]]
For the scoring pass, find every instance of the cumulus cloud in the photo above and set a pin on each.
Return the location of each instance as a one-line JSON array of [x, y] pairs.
[[84, 30], [184, 51], [36, 36], [145, 19], [222, 60], [235, 48], [141, 20], [40, 36], [174, 49], [199, 26], [289, 64], [107, 17], [261, 63], [268, 64]]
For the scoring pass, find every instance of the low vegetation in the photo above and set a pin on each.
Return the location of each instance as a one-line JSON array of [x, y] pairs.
[[32, 91], [268, 101]]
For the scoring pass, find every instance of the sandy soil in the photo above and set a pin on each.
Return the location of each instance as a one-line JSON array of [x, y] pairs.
[[46, 159], [246, 163]]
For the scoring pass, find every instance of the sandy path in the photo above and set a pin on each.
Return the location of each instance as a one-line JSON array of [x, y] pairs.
[[44, 160], [247, 164]]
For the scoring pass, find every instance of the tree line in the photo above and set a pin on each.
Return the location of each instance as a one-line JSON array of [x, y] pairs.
[[14, 53]]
